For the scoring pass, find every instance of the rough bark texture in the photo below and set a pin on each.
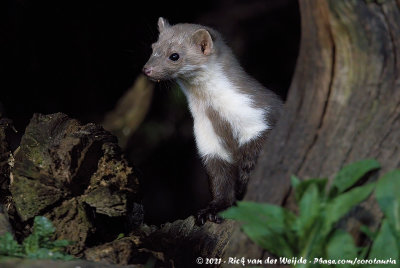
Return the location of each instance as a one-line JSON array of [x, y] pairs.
[[7, 133], [76, 176], [121, 251], [183, 241], [343, 104]]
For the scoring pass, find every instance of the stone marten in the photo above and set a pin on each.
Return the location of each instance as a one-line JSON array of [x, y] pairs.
[[232, 112]]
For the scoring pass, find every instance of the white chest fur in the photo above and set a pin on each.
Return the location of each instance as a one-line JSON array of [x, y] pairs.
[[213, 89]]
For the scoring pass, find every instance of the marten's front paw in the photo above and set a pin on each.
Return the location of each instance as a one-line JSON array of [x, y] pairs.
[[208, 214]]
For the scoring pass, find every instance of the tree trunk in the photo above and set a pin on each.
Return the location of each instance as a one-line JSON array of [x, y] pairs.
[[343, 104]]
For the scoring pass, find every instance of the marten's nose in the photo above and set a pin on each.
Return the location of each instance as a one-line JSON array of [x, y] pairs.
[[147, 70]]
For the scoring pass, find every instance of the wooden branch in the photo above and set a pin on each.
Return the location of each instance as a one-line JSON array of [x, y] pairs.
[[130, 110]]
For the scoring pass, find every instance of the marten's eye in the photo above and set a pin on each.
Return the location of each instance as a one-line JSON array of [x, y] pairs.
[[174, 57]]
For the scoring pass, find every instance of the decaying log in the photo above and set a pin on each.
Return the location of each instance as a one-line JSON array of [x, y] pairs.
[[6, 159], [121, 251], [176, 244], [182, 241], [7, 132], [76, 176]]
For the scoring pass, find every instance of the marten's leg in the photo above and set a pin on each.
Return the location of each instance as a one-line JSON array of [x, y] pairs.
[[222, 177], [248, 154]]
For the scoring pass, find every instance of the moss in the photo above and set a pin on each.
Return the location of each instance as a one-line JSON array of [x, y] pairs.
[[31, 197], [106, 202]]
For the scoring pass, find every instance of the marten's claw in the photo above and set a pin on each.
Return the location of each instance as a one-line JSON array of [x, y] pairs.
[[208, 214]]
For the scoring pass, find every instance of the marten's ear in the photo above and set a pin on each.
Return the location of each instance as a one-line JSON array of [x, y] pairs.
[[162, 24], [203, 40]]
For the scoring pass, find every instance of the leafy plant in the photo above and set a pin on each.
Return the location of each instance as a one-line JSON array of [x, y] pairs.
[[313, 233], [38, 245], [387, 241]]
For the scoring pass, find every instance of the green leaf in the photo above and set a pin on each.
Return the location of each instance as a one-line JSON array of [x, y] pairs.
[[295, 181], [276, 217], [268, 239], [31, 243], [303, 186], [120, 236], [350, 174], [265, 224], [370, 234], [341, 205], [37, 245], [385, 245], [341, 246], [9, 247], [59, 244], [43, 227], [309, 206], [43, 230], [388, 196]]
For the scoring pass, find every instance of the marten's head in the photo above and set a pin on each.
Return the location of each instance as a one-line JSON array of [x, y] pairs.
[[181, 51]]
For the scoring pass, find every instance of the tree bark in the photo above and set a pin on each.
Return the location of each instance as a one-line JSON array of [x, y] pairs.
[[77, 177], [343, 104]]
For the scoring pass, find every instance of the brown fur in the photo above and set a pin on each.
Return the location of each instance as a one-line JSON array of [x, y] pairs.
[[198, 47], [245, 156]]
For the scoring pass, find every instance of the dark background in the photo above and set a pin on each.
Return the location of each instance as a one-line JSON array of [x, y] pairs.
[[79, 57]]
